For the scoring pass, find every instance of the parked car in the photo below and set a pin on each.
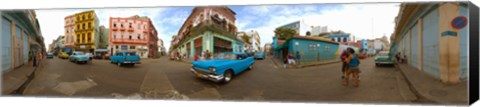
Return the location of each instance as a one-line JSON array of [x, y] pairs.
[[362, 55], [78, 57], [50, 55], [259, 56], [106, 57], [90, 55], [63, 55], [223, 67], [125, 58], [383, 57]]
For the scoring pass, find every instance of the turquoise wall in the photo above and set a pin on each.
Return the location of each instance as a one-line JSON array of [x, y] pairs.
[[464, 45], [6, 44], [430, 43], [313, 50]]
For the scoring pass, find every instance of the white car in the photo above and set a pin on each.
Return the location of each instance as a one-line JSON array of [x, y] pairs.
[[90, 55]]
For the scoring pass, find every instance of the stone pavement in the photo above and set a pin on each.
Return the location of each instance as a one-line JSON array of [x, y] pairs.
[[13, 80], [433, 89]]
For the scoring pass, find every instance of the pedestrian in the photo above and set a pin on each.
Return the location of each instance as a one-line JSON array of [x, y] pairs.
[[207, 55], [353, 63], [291, 59], [298, 57], [344, 56], [202, 57], [195, 58], [34, 59], [285, 61]]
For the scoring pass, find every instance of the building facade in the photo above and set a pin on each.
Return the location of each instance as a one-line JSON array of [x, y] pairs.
[[311, 49], [342, 38], [255, 40], [299, 26], [209, 29], [419, 36], [69, 33], [21, 37], [268, 49], [86, 31], [133, 34], [317, 30], [103, 38], [161, 48]]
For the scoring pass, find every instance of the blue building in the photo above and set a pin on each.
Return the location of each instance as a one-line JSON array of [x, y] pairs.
[[364, 45], [21, 36], [311, 49]]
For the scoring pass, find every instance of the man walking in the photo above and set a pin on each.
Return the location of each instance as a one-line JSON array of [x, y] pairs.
[[297, 57], [344, 56]]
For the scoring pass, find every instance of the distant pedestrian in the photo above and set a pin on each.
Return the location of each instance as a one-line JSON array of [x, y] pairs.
[[207, 55], [202, 57], [285, 62], [353, 69], [195, 57], [291, 59], [298, 57], [344, 56]]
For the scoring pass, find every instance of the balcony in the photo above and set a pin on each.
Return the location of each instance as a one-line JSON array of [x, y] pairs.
[[115, 29], [122, 29], [128, 41], [130, 29], [145, 31]]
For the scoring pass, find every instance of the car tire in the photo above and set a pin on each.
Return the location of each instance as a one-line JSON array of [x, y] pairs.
[[227, 76]]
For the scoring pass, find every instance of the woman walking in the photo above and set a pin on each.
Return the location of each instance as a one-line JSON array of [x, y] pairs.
[[353, 68]]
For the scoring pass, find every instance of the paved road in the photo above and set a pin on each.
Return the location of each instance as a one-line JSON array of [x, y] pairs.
[[265, 82]]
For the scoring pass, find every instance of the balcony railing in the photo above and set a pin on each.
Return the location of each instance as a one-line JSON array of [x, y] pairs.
[[115, 29], [130, 29], [122, 29], [136, 41]]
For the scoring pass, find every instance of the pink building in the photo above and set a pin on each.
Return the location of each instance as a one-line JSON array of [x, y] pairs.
[[69, 32], [133, 34]]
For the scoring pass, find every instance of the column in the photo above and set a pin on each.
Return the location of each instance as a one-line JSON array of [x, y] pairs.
[[420, 45], [449, 45]]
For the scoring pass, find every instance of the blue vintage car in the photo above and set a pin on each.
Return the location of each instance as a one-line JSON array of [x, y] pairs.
[[78, 57], [50, 55], [125, 58], [223, 67], [259, 56]]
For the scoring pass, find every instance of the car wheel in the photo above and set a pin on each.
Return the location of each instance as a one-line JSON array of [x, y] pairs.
[[227, 76]]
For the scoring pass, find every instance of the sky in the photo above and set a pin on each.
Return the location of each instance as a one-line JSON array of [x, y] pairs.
[[364, 21]]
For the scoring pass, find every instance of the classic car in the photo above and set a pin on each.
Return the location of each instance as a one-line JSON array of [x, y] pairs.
[[50, 55], [63, 55], [125, 58], [259, 56], [90, 55], [362, 55], [79, 57], [223, 67], [383, 57]]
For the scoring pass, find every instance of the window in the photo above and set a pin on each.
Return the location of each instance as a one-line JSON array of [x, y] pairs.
[[130, 37], [83, 25], [89, 37], [130, 25], [121, 25], [119, 54], [132, 47], [89, 25], [78, 26], [83, 17], [139, 26], [144, 26], [89, 15], [114, 36], [116, 47], [114, 25], [138, 37]]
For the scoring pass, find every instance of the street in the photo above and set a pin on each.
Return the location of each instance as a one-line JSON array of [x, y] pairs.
[[266, 82]]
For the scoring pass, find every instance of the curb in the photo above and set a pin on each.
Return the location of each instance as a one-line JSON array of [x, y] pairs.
[[25, 84], [412, 88]]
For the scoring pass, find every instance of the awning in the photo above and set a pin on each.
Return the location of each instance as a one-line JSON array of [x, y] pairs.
[[283, 45]]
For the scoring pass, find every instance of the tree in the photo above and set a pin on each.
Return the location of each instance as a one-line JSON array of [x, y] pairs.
[[284, 33]]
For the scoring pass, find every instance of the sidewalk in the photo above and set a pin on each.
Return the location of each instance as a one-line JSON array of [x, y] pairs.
[[13, 80], [433, 89], [279, 63]]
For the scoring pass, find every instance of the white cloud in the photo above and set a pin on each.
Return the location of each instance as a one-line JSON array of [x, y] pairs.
[[353, 18]]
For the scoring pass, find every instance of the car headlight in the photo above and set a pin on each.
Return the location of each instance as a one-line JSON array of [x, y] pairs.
[[212, 69]]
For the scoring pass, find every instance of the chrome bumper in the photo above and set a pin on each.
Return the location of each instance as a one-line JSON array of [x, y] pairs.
[[211, 77]]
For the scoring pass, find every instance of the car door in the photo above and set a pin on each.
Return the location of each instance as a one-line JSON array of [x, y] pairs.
[[243, 62]]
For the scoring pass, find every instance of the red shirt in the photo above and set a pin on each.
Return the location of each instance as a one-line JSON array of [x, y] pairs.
[[344, 56]]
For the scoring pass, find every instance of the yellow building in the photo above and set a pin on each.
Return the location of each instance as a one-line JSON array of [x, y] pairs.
[[86, 31]]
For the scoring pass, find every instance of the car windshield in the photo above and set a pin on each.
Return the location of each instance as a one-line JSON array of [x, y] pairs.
[[80, 53], [130, 53], [226, 56], [383, 54]]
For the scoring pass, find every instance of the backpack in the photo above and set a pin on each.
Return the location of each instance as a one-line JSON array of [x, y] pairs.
[[354, 62]]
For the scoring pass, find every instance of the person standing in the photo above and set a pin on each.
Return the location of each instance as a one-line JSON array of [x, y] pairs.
[[298, 57], [290, 59], [202, 57], [344, 56], [195, 58], [207, 55], [353, 63]]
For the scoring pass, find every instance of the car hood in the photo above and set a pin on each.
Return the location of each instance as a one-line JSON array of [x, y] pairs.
[[211, 63]]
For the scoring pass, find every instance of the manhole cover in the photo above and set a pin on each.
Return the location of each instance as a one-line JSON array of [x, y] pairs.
[[438, 93]]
